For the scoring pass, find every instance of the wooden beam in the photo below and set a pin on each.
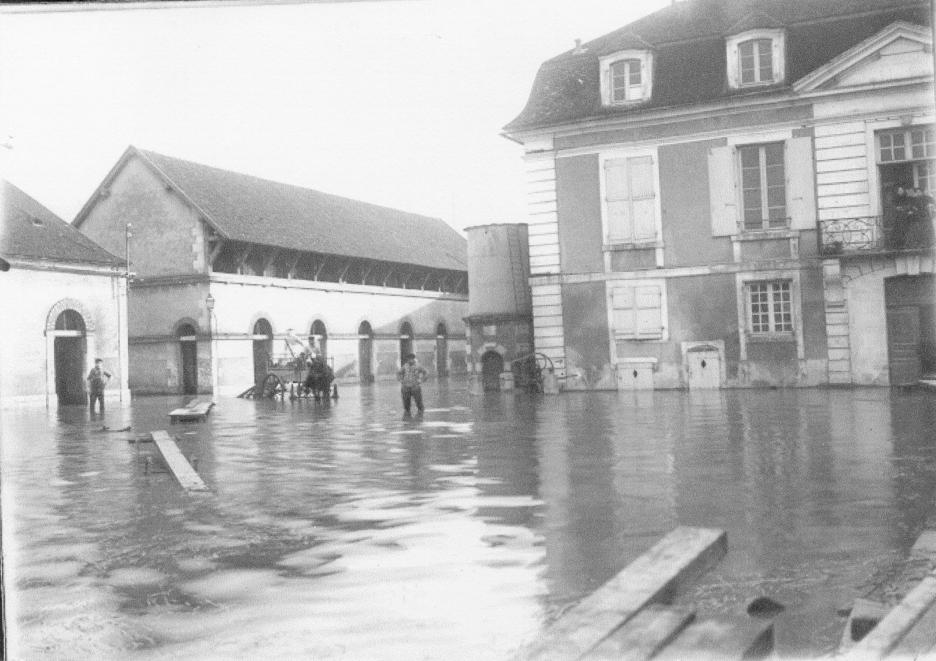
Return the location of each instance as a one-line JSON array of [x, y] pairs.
[[291, 271], [344, 271], [366, 273], [215, 250], [722, 640], [178, 465], [883, 638], [654, 577], [273, 254], [318, 271], [243, 259], [643, 636]]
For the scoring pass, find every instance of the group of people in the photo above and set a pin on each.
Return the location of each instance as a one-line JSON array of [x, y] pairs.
[[913, 222]]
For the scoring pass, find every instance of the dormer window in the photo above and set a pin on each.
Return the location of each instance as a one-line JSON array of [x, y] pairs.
[[756, 58], [625, 77]]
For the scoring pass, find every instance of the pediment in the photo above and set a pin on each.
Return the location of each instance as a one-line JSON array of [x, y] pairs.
[[899, 52]]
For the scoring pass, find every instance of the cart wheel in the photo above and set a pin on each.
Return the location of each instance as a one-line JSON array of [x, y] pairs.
[[271, 386]]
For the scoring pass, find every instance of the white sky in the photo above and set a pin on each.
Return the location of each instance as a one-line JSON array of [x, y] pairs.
[[397, 103]]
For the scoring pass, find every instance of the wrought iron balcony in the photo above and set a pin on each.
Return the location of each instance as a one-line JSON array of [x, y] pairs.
[[868, 234]]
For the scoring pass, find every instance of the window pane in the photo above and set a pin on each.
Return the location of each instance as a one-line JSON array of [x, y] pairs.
[[899, 151], [634, 68], [749, 157]]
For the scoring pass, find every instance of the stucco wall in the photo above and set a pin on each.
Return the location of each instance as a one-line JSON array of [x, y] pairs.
[[684, 194], [28, 354], [167, 234], [579, 211]]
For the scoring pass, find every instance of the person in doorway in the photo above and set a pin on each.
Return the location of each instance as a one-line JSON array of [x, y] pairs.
[[97, 380], [411, 376]]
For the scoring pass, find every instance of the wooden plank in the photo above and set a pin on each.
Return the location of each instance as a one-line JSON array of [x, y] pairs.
[[903, 617], [920, 640], [721, 640], [178, 465], [643, 636], [654, 577], [196, 409]]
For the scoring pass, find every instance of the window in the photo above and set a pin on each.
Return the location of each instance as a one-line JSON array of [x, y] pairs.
[[763, 186], [756, 57], [770, 307], [756, 61], [630, 199], [625, 77], [625, 81], [637, 312], [907, 156]]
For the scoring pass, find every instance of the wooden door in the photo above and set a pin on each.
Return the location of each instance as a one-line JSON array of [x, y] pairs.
[[704, 370], [189, 367], [903, 345]]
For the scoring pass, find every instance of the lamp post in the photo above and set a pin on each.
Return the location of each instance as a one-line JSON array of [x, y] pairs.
[[210, 303]]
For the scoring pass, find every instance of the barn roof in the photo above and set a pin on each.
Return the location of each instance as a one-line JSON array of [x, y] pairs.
[[29, 230], [688, 44], [242, 207]]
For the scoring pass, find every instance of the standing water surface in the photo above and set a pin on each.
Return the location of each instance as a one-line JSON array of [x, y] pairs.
[[343, 531]]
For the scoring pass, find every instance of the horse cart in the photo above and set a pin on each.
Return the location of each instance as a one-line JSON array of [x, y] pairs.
[[298, 372]]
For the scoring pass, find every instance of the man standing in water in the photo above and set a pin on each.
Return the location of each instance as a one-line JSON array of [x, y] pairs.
[[97, 379], [411, 376]]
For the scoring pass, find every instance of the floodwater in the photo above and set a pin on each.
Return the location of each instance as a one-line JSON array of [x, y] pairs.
[[346, 532]]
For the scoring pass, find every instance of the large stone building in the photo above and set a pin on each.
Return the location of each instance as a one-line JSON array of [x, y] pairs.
[[227, 265], [713, 197], [64, 303]]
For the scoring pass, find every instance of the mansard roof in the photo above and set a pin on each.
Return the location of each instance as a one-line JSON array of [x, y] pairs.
[[29, 230], [245, 208], [688, 42]]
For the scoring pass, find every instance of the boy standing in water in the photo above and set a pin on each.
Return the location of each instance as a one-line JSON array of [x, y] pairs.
[[97, 379], [411, 376]]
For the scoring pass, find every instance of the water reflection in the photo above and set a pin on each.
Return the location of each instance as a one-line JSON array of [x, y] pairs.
[[346, 531]]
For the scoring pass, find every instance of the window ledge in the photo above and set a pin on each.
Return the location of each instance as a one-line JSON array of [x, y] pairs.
[[638, 338], [771, 337], [768, 234], [649, 244]]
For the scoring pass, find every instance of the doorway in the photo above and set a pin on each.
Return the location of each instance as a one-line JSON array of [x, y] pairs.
[[703, 368], [911, 336], [492, 364], [318, 337], [406, 340], [70, 356], [365, 353], [188, 349], [262, 349]]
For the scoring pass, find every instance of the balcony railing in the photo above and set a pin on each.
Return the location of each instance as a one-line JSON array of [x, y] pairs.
[[865, 234]]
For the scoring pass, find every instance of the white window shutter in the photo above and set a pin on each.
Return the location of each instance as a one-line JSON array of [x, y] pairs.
[[643, 197], [622, 304], [723, 204], [649, 311], [800, 178], [620, 224]]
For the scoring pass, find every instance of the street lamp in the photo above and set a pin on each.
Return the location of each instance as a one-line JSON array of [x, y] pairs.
[[210, 303]]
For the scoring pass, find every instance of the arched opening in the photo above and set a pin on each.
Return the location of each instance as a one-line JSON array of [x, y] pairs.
[[188, 351], [262, 348], [406, 340], [318, 338], [492, 364], [70, 348], [366, 352], [441, 350]]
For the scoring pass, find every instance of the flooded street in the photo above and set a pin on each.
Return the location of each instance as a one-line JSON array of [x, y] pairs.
[[344, 531]]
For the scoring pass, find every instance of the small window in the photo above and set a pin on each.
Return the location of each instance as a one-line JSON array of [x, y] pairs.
[[756, 61], [763, 186], [625, 81], [637, 312], [770, 307]]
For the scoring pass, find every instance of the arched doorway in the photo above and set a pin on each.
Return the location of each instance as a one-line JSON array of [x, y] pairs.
[[406, 339], [188, 351], [492, 364], [318, 337], [366, 352], [70, 357], [441, 350], [262, 348]]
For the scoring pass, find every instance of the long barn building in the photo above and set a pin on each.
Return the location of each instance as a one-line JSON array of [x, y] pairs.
[[226, 266]]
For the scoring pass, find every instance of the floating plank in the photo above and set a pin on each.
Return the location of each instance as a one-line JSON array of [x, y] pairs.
[[178, 465], [196, 409], [656, 576], [644, 635], [891, 630], [721, 640]]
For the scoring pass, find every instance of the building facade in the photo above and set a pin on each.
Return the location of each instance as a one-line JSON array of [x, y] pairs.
[[227, 266], [65, 305], [500, 315], [713, 197]]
